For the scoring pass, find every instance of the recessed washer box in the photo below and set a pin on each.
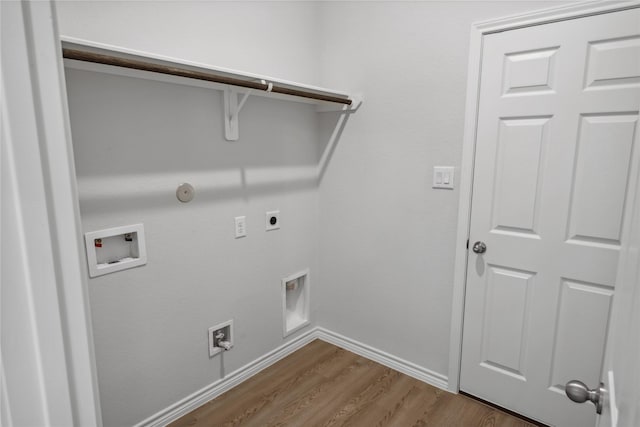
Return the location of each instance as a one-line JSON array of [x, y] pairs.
[[115, 249]]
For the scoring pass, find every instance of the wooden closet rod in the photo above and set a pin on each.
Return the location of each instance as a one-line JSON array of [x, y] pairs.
[[199, 75]]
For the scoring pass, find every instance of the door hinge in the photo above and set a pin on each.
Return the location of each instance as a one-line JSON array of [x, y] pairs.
[[467, 243]]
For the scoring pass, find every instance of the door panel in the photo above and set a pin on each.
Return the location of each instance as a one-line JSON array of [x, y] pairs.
[[529, 72], [521, 144], [601, 175], [554, 151], [583, 307], [614, 62], [504, 332]]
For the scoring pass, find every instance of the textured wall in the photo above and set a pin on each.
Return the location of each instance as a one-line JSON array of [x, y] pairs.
[[276, 39], [379, 241], [135, 140], [387, 237]]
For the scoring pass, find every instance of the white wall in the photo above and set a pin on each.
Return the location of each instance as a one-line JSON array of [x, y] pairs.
[[135, 140], [387, 237], [276, 39], [382, 273]]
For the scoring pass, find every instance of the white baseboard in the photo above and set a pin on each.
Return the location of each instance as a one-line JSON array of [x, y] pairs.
[[383, 358], [217, 388]]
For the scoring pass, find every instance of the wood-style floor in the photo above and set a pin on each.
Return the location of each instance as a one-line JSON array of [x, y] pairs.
[[323, 385]]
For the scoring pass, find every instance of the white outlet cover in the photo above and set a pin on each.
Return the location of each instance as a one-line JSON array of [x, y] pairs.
[[268, 216], [241, 226]]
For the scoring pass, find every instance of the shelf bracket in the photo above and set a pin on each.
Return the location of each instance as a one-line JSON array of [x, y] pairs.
[[231, 111]]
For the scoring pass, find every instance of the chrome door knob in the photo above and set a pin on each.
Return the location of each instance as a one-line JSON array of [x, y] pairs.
[[579, 392], [479, 247]]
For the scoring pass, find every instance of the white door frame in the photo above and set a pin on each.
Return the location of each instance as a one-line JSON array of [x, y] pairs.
[[478, 32], [48, 238]]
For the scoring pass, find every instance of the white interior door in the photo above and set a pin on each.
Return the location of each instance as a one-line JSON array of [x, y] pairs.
[[554, 152], [621, 373]]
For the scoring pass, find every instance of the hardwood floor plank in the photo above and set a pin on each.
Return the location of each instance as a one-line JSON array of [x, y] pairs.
[[417, 406], [323, 385], [342, 360], [367, 398], [242, 403], [322, 400], [388, 405]]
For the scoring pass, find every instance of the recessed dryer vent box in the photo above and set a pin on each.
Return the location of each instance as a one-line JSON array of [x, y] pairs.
[[295, 302], [115, 249]]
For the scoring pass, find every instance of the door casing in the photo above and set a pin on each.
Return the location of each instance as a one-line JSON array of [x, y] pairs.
[[67, 389], [478, 32]]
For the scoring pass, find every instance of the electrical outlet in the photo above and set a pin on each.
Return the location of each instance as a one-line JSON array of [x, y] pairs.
[[220, 337], [272, 220], [241, 226]]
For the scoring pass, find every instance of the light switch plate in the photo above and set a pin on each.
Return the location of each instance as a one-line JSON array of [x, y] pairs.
[[443, 177]]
